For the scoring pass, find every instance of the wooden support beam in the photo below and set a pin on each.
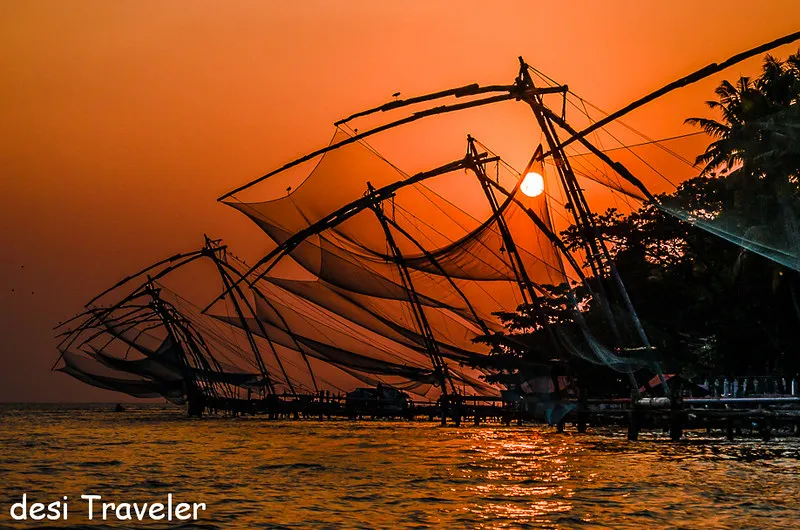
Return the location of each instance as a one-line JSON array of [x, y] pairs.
[[686, 80]]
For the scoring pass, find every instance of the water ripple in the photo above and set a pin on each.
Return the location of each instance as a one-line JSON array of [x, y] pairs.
[[256, 473]]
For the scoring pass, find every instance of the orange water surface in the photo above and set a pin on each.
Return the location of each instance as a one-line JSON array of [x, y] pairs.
[[256, 473]]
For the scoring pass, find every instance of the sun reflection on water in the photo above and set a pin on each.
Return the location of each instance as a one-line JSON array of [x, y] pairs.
[[524, 477]]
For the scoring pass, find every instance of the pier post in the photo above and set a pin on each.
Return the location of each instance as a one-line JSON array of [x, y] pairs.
[[582, 425], [634, 421], [729, 429], [765, 429], [583, 410], [196, 405], [676, 418]]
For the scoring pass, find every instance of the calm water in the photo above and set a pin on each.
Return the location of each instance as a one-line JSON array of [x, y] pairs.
[[257, 473]]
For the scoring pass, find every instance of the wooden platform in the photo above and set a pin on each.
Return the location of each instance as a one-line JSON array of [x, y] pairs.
[[729, 417]]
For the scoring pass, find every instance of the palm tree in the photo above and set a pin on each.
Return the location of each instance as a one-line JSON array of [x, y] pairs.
[[756, 153], [757, 137], [740, 105]]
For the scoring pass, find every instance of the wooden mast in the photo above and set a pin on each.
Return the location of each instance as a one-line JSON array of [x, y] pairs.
[[431, 345], [597, 254]]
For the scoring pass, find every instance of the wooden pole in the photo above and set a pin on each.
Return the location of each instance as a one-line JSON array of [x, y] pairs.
[[634, 418], [676, 419]]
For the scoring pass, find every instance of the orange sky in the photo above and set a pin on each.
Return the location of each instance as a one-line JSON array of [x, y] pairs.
[[123, 121]]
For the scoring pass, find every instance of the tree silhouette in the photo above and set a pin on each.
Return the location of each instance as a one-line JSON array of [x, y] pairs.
[[709, 307]]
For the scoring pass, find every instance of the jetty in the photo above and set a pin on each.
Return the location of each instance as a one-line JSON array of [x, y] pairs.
[[761, 416]]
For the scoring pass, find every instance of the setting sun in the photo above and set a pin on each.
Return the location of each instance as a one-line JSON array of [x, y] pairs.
[[532, 185]]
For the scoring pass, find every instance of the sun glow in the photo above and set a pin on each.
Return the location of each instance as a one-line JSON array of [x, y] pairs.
[[532, 185]]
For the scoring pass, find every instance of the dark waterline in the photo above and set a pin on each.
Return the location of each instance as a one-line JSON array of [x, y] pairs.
[[252, 472]]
